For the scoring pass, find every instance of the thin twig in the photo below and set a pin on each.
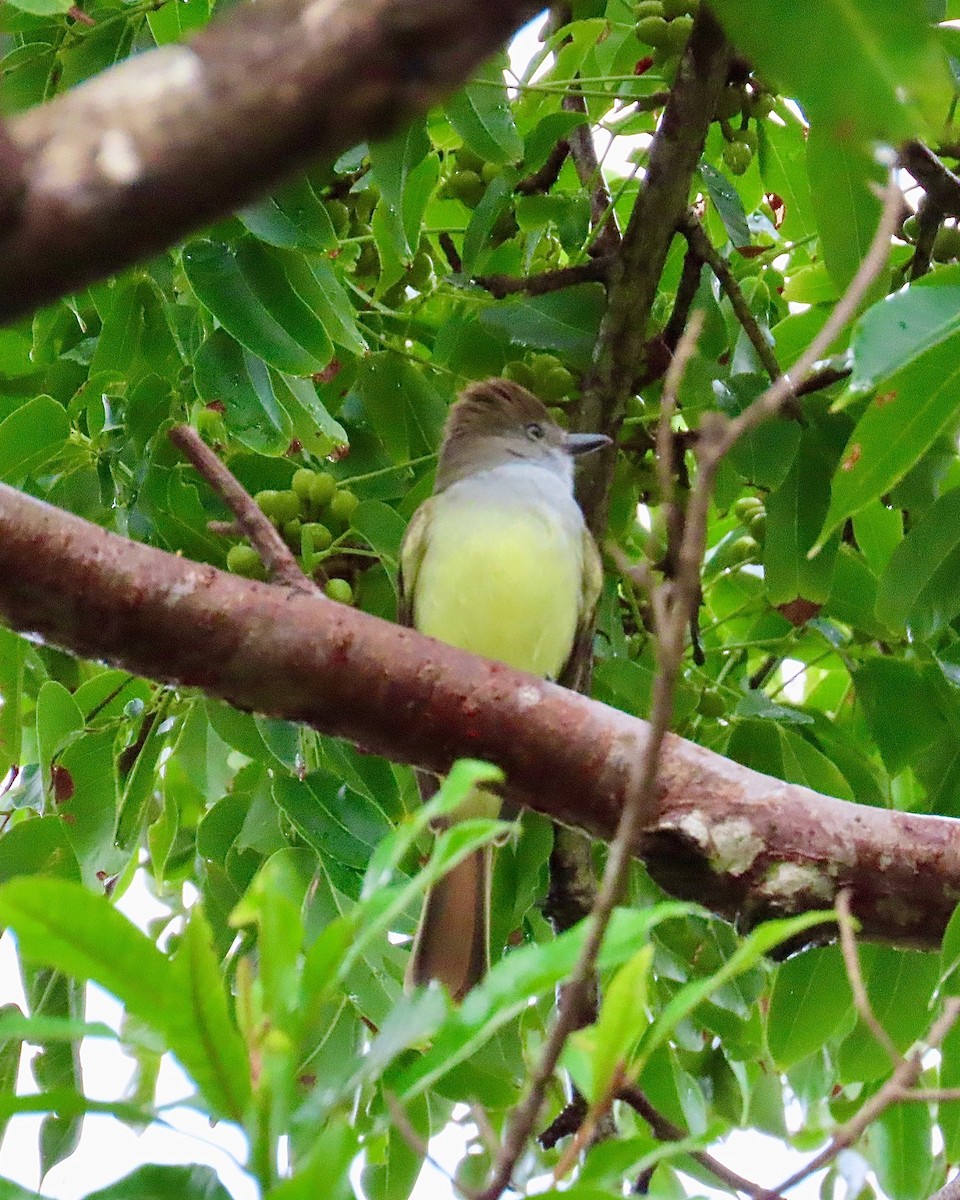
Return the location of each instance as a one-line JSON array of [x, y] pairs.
[[698, 242], [417, 1144], [583, 151], [543, 180], [851, 961], [771, 402], [897, 1089], [273, 550], [499, 286], [665, 1131], [949, 1191], [686, 290]]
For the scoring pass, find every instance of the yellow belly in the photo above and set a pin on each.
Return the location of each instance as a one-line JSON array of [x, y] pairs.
[[504, 584]]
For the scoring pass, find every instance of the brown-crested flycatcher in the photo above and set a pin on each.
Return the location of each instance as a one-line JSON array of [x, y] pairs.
[[497, 561]]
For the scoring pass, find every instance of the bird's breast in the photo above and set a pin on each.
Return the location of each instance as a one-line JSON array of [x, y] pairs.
[[502, 577]]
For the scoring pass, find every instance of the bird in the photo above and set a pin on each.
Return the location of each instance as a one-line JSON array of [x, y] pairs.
[[497, 561]]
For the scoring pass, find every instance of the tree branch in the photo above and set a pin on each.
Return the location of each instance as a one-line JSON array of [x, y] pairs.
[[661, 203], [165, 142], [698, 242], [595, 271], [740, 842]]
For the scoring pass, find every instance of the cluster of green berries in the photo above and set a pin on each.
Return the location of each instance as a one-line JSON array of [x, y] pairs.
[[741, 101], [946, 244], [466, 178], [309, 514], [545, 376], [664, 26], [752, 515]]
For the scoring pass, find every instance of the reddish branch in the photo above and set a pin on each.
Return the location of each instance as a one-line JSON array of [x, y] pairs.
[[139, 156], [738, 841]]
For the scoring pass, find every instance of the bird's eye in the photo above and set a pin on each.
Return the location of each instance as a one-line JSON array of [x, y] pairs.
[[534, 431]]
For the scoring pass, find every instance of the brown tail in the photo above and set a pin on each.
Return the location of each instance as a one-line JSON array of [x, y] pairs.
[[451, 945]]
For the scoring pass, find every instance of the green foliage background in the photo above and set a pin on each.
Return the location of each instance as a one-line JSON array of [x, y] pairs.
[[328, 327]]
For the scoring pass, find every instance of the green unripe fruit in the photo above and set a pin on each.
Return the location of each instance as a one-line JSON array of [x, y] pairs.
[[649, 8], [314, 538], [244, 560], [468, 160], [746, 508], [520, 373], [343, 505], [322, 487], [737, 157], [711, 703], [749, 138], [758, 526], [558, 415], [489, 171], [282, 506], [911, 229], [302, 482], [730, 104], [339, 590], [741, 550], [679, 30], [291, 533], [555, 387], [761, 105], [946, 245], [653, 31], [675, 8], [466, 186], [420, 271]]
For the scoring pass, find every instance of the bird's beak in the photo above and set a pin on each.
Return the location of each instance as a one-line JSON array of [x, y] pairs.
[[576, 444]]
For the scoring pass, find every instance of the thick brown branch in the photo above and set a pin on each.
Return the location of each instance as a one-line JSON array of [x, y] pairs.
[[738, 841], [674, 154], [161, 144]]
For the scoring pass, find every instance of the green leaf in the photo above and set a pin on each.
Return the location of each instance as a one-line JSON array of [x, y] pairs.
[[506, 991], [173, 22], [12, 655], [64, 926], [265, 269], [899, 985], [795, 513], [382, 528], [477, 237], [847, 208], [223, 287], [39, 846], [906, 709], [811, 996], [900, 328], [224, 371], [949, 1111], [566, 321], [480, 113], [292, 217], [332, 305], [155, 1182], [30, 437], [900, 1151], [918, 591], [605, 1047], [404, 410], [728, 204], [42, 8], [886, 47], [911, 408], [406, 173]]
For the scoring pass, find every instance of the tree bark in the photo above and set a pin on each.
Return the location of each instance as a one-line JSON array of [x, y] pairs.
[[740, 842], [165, 142]]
